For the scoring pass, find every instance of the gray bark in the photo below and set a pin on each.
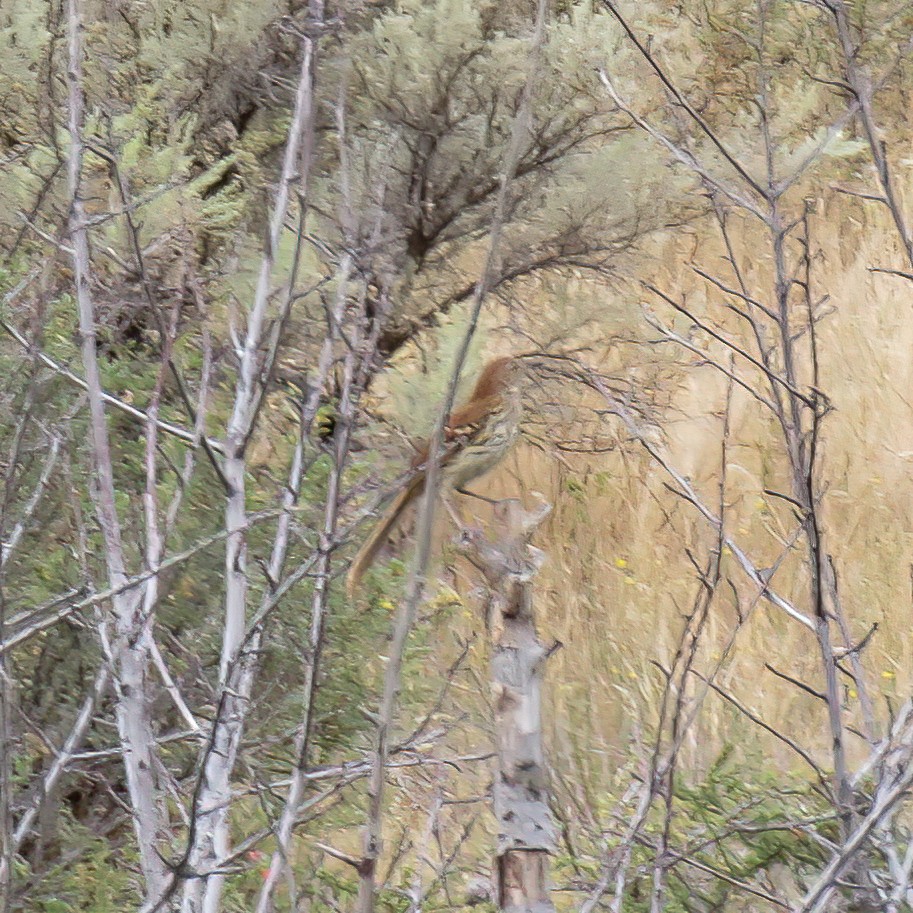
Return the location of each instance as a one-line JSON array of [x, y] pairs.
[[211, 813], [526, 832], [131, 651]]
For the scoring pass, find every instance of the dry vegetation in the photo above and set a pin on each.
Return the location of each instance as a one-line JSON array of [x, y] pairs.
[[691, 221]]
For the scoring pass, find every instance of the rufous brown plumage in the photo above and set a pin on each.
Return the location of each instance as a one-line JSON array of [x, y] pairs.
[[477, 436]]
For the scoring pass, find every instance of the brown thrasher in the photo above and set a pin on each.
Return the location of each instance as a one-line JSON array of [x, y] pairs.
[[477, 436]]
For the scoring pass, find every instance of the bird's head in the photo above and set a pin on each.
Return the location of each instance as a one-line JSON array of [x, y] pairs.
[[498, 376]]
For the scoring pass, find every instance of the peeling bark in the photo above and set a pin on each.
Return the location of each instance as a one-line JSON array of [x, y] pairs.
[[527, 835]]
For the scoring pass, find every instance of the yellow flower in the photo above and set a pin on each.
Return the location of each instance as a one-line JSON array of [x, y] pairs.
[[385, 604], [621, 563], [852, 693], [888, 674]]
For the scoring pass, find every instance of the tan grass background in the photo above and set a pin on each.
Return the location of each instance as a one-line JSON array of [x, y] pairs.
[[618, 582]]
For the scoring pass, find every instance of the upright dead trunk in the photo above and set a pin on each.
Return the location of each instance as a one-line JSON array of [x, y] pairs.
[[211, 837], [526, 832], [129, 652]]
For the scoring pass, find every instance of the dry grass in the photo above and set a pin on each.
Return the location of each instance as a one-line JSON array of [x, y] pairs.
[[618, 582]]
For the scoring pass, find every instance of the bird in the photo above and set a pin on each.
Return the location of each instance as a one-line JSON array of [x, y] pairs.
[[477, 436]]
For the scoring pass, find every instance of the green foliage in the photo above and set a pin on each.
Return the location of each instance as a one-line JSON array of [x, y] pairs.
[[758, 809], [742, 820], [192, 102], [96, 878]]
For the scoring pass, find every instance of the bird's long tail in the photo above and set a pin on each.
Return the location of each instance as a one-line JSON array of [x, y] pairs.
[[373, 544]]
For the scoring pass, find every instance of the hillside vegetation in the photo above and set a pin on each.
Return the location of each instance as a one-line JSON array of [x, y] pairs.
[[251, 255]]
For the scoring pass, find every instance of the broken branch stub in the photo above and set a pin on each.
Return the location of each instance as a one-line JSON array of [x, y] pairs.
[[526, 831]]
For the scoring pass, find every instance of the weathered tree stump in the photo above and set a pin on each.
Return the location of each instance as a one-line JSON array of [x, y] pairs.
[[526, 832]]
